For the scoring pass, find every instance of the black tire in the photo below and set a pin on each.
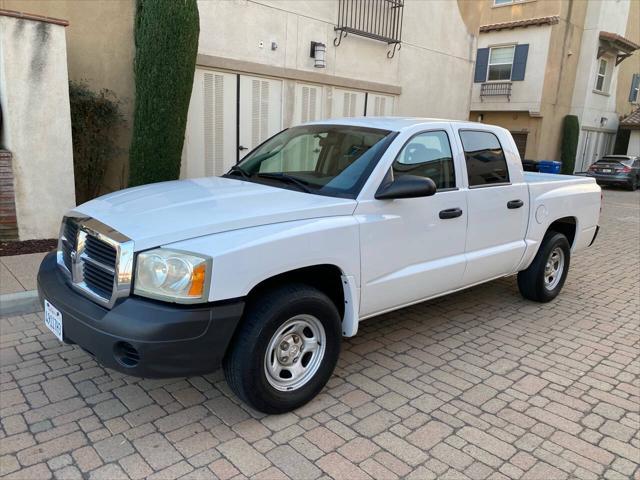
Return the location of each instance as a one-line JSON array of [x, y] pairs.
[[531, 281], [633, 185], [244, 364]]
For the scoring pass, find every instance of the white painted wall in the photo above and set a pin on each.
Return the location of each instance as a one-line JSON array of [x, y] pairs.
[[434, 66], [34, 95], [526, 95], [634, 143]]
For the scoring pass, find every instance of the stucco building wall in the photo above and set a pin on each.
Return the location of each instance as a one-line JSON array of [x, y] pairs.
[[100, 52], [34, 97]]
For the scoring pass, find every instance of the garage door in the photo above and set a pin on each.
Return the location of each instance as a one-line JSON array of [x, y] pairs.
[[210, 140]]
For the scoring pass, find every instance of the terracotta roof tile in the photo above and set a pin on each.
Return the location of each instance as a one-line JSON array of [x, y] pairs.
[[625, 43], [552, 20], [631, 121]]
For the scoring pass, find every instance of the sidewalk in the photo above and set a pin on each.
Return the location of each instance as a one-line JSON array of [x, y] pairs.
[[18, 287]]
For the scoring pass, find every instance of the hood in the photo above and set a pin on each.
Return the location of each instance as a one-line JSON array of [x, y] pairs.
[[167, 212]]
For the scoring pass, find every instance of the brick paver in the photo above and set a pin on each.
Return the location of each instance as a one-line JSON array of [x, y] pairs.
[[482, 384]]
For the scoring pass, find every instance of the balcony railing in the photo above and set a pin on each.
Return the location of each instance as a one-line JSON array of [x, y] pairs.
[[495, 89], [377, 19]]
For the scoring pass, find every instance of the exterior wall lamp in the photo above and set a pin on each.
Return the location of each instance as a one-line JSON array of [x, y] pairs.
[[318, 52]]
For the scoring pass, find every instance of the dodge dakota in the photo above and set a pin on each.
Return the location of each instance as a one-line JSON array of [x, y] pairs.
[[262, 271]]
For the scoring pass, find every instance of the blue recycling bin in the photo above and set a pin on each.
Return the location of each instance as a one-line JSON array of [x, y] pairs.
[[549, 166]]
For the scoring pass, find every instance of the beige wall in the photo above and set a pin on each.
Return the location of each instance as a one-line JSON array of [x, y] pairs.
[[630, 65], [491, 13], [36, 126], [100, 50]]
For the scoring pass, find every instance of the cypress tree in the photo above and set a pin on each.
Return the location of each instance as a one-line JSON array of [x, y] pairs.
[[569, 148], [166, 40]]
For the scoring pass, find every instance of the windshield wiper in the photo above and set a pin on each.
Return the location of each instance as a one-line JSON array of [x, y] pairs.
[[301, 184], [238, 170]]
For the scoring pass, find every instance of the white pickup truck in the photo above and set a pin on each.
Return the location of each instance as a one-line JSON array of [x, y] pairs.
[[324, 225]]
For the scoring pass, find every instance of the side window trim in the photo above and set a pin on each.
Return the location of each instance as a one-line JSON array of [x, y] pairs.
[[453, 162], [464, 156]]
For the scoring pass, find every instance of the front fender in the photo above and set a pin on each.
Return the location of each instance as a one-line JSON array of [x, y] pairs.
[[246, 257]]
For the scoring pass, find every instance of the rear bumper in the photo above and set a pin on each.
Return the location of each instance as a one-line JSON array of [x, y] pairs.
[[622, 179], [170, 340]]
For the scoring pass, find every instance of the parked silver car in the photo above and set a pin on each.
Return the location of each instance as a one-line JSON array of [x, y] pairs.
[[622, 170]]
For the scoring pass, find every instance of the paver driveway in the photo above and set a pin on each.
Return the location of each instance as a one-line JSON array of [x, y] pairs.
[[482, 384]]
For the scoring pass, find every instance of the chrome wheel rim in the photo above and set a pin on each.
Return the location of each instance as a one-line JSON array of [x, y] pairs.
[[554, 268], [295, 352]]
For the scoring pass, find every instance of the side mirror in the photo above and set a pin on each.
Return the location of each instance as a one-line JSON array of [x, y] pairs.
[[407, 186]]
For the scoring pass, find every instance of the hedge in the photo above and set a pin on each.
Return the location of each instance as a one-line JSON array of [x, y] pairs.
[[569, 148], [166, 40]]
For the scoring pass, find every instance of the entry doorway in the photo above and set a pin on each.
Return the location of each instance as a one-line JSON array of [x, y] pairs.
[[520, 138]]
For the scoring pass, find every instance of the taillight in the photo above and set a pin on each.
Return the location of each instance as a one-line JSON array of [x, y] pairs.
[[625, 169]]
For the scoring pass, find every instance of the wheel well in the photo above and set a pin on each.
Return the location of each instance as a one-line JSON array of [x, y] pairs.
[[326, 278], [566, 226]]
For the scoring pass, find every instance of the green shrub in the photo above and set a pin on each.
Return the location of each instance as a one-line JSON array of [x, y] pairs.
[[570, 134], [166, 38], [94, 118]]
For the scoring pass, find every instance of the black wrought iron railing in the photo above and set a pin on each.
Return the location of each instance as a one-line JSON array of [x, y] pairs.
[[493, 89], [376, 19]]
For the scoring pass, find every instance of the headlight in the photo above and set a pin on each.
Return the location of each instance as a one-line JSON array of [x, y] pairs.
[[172, 275]]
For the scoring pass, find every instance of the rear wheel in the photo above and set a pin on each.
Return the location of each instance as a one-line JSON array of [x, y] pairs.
[[633, 186], [285, 349], [544, 278]]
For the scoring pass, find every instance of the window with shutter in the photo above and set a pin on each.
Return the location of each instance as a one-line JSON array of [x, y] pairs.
[[635, 88]]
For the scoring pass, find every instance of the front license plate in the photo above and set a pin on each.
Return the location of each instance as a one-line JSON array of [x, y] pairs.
[[53, 319]]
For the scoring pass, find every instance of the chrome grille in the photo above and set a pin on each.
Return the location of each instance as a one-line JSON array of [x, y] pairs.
[[68, 241], [97, 259]]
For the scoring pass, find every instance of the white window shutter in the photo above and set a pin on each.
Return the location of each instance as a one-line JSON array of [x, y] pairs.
[[260, 110]]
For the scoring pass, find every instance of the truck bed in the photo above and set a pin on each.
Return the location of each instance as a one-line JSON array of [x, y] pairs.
[[536, 177]]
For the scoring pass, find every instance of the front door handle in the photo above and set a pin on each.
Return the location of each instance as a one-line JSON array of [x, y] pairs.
[[450, 213], [515, 204]]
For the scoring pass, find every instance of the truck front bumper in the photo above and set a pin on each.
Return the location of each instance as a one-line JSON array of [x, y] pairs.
[[142, 337]]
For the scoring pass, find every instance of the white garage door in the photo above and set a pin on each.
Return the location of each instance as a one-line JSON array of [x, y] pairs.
[[379, 105], [210, 140], [308, 103], [260, 111], [347, 103]]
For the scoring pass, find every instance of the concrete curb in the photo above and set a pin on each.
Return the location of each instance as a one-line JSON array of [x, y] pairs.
[[19, 303]]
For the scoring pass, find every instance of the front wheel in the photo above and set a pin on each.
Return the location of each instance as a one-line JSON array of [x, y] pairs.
[[544, 278], [285, 350]]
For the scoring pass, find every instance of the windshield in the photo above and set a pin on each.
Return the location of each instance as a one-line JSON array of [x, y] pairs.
[[333, 160]]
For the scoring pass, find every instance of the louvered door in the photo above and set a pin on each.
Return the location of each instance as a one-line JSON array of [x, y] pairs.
[[379, 105], [210, 140], [260, 111], [347, 103], [308, 103]]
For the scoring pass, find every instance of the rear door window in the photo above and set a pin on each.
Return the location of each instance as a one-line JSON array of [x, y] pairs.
[[484, 156]]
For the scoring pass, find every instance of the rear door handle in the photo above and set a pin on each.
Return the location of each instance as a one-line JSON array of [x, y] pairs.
[[450, 213], [515, 204]]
